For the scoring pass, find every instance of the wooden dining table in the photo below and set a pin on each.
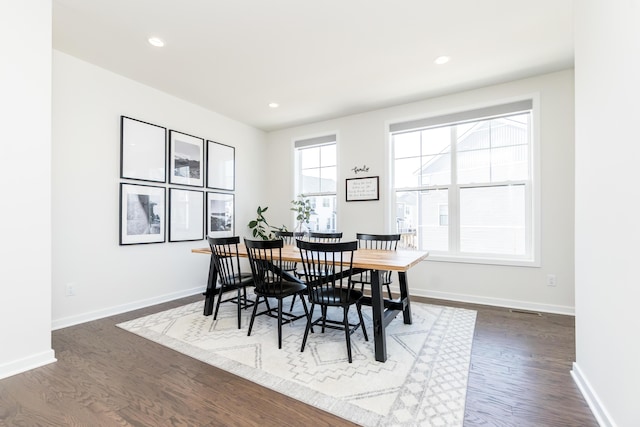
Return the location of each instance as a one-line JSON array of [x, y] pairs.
[[377, 261]]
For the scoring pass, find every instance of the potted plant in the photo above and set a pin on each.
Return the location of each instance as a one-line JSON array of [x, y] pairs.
[[302, 207], [261, 228]]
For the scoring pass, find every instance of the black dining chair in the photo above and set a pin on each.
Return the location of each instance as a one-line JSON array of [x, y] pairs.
[[321, 237], [386, 242], [289, 238], [265, 257], [224, 254], [326, 267], [325, 236]]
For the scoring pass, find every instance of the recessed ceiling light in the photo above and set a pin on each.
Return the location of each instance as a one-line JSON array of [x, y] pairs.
[[442, 60], [155, 41], [273, 105]]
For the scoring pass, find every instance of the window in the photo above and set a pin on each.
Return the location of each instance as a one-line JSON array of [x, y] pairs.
[[316, 178], [463, 183], [444, 215]]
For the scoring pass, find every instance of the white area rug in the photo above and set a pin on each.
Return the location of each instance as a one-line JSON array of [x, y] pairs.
[[423, 382]]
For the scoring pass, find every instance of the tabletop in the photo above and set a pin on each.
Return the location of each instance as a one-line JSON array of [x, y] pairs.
[[370, 259]]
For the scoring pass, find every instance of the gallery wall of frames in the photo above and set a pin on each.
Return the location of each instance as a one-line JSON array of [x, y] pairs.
[[173, 183]]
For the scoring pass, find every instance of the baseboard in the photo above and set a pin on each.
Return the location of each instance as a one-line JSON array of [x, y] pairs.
[[472, 299], [25, 364], [111, 311], [496, 302], [599, 411]]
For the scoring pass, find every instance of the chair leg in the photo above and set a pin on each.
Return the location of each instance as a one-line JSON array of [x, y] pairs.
[[304, 306], [364, 330], [239, 307], [323, 310], [253, 314], [215, 314], [293, 300], [279, 322], [306, 311], [347, 332], [306, 330], [389, 291]]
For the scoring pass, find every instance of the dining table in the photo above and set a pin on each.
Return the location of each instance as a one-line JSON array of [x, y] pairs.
[[384, 310]]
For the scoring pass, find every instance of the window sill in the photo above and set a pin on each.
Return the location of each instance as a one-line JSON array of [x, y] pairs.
[[512, 262]]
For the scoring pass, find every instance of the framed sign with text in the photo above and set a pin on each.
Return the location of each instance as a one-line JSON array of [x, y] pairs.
[[362, 189]]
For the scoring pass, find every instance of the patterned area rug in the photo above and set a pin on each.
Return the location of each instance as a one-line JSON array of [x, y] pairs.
[[423, 382]]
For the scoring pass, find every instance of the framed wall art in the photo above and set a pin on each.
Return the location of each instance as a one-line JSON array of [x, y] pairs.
[[362, 189], [186, 215], [220, 214], [186, 159], [220, 166], [142, 214], [143, 150]]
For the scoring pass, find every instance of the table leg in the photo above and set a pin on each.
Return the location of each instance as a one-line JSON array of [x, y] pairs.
[[377, 306], [404, 296], [210, 293]]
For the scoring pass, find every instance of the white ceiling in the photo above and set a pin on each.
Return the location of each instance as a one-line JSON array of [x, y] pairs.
[[318, 59]]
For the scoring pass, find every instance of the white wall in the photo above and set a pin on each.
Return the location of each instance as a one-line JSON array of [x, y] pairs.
[[107, 278], [607, 46], [362, 139], [25, 176]]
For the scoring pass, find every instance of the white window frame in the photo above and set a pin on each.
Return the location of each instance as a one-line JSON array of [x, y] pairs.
[[308, 142], [532, 195]]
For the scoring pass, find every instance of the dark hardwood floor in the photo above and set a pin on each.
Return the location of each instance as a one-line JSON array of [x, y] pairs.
[[105, 376]]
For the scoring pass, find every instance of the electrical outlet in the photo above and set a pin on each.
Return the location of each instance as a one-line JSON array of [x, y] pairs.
[[551, 280], [71, 289]]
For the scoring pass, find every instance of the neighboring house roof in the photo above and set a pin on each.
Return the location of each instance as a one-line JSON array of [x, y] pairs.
[[500, 132]]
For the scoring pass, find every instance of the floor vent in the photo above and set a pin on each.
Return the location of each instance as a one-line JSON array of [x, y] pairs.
[[535, 313]]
